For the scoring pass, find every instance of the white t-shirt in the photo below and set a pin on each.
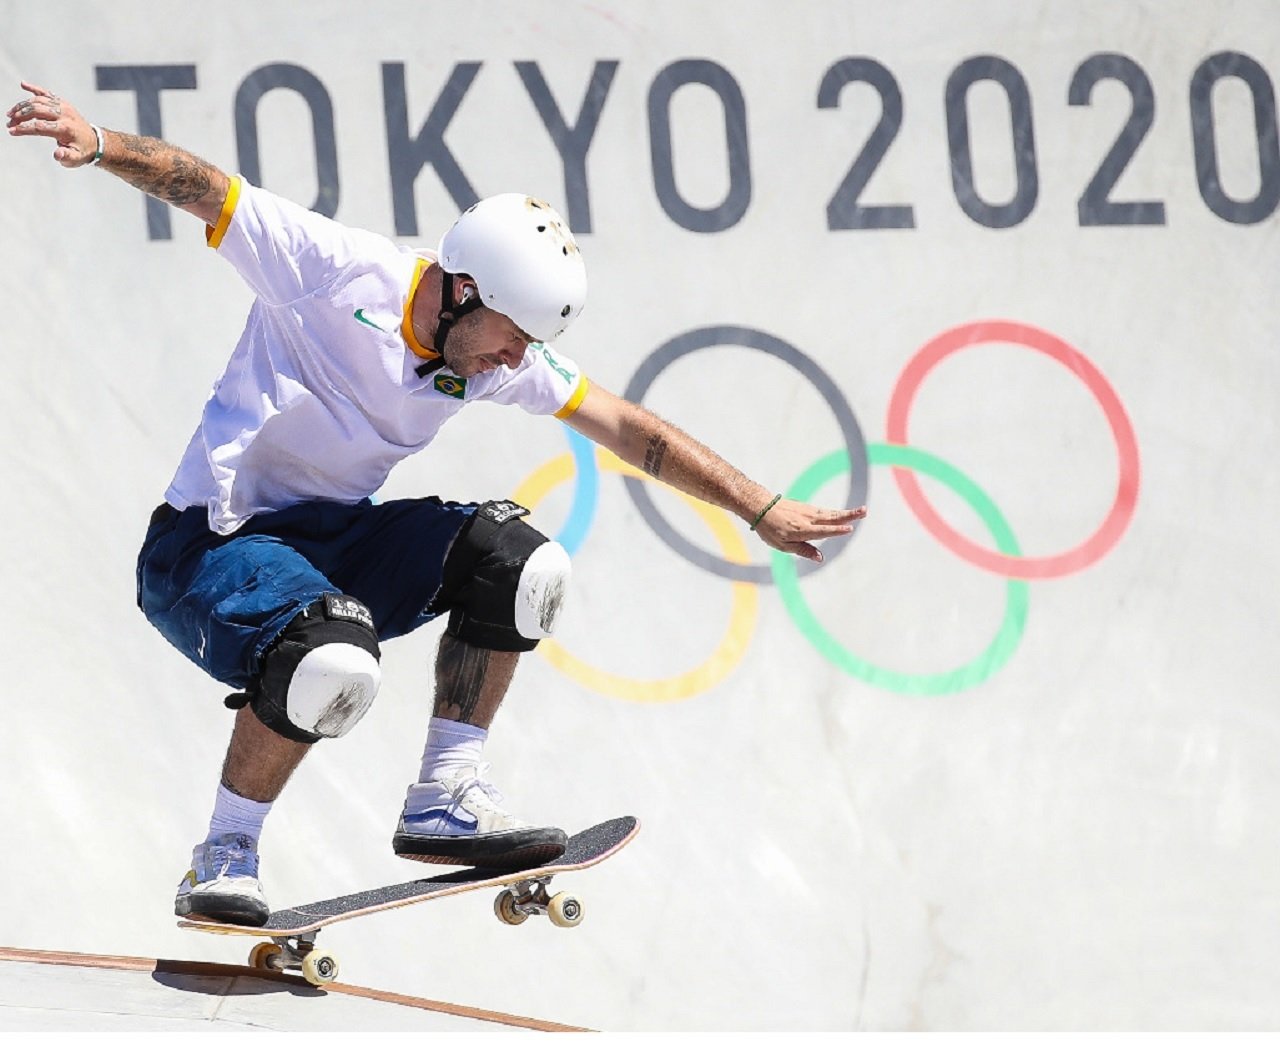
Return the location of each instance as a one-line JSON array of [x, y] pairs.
[[321, 398]]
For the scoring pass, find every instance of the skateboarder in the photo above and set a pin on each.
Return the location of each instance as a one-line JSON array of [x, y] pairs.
[[268, 566]]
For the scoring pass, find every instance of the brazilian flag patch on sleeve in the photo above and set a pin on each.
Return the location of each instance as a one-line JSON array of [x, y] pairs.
[[453, 386]]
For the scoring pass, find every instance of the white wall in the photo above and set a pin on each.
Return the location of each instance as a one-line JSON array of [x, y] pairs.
[[1082, 837]]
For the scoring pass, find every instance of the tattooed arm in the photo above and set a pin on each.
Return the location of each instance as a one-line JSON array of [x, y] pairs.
[[645, 440], [153, 166]]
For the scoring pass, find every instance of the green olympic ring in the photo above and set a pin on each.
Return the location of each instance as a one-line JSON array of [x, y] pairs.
[[994, 657]]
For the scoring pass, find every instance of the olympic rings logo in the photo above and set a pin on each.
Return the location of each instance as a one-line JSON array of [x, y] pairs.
[[585, 462]]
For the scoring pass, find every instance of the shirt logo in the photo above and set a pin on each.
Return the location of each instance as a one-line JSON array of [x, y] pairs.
[[365, 321], [453, 386], [556, 366]]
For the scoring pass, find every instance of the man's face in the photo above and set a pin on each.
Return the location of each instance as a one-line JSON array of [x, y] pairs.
[[482, 340]]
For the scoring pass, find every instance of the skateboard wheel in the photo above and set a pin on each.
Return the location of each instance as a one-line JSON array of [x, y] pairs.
[[260, 958], [504, 906], [565, 910], [320, 967]]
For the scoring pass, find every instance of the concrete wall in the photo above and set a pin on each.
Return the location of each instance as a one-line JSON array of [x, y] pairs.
[[1006, 762]]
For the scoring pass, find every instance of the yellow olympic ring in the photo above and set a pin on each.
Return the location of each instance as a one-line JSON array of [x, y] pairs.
[[745, 607]]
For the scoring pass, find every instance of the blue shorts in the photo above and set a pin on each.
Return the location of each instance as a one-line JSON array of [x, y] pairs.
[[222, 600]]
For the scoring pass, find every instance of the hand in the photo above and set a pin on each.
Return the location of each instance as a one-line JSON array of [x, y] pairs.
[[790, 526], [45, 114]]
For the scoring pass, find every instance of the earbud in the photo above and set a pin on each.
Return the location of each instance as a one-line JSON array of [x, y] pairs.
[[468, 293]]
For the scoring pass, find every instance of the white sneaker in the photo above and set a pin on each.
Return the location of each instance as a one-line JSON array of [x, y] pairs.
[[458, 819], [222, 883]]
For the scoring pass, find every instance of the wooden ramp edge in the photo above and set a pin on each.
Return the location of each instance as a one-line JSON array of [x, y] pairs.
[[209, 969]]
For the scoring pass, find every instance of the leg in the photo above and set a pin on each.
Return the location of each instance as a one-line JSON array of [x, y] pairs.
[[471, 682], [317, 681], [259, 761], [308, 656], [504, 583], [223, 881]]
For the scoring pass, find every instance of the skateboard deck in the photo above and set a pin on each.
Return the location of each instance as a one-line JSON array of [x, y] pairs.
[[291, 932]]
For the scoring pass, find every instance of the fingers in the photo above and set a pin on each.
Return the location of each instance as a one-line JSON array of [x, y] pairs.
[[838, 516], [35, 127], [806, 550], [801, 541], [803, 547], [68, 153], [43, 106], [37, 117], [795, 521], [818, 532]]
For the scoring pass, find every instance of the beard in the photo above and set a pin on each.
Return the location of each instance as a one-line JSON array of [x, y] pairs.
[[461, 354]]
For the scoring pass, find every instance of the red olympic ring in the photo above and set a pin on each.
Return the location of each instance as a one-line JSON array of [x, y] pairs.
[[1043, 567]]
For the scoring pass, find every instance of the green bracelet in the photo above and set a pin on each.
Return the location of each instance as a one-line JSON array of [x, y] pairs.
[[754, 523]]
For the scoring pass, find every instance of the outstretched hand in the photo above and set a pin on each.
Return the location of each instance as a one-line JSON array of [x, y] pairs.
[[792, 527], [44, 114]]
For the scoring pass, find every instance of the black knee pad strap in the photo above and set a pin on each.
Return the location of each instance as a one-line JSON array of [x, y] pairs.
[[481, 575]]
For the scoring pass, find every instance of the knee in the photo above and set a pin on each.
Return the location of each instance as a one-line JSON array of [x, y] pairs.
[[507, 581], [322, 674], [540, 590]]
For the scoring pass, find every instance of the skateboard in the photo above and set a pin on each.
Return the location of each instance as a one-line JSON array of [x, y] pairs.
[[291, 932]]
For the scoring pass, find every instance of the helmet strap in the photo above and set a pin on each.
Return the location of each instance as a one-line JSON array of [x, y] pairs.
[[451, 312]]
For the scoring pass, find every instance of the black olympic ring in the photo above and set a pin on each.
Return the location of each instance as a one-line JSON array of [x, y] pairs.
[[733, 335]]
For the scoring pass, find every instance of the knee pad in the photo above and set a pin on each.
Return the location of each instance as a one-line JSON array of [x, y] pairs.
[[322, 674], [504, 580]]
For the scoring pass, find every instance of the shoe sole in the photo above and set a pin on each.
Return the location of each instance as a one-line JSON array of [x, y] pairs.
[[519, 850], [228, 909]]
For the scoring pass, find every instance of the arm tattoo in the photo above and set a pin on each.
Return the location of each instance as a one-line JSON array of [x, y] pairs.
[[161, 170], [461, 670], [688, 465], [653, 455]]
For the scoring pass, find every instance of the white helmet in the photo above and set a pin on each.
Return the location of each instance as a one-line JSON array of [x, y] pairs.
[[524, 260]]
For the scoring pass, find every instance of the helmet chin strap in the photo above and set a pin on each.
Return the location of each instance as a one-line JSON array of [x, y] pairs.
[[451, 312]]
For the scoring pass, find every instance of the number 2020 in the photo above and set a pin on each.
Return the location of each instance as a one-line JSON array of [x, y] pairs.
[[1096, 206]]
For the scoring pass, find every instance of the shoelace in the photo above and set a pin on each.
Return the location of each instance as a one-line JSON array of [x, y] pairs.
[[235, 860], [477, 783]]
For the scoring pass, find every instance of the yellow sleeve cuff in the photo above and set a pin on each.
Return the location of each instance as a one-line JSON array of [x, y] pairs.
[[575, 400], [213, 233]]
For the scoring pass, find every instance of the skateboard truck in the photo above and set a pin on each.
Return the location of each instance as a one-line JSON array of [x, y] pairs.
[[517, 902], [296, 953]]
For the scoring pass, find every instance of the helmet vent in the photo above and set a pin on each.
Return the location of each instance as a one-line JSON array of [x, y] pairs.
[[565, 311], [542, 228]]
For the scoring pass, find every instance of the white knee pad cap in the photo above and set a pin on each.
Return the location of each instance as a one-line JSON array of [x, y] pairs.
[[540, 593], [331, 689]]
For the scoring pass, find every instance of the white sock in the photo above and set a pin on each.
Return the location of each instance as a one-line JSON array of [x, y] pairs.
[[449, 746], [236, 814]]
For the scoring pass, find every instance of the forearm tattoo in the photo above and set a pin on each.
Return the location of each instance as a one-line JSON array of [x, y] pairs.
[[682, 462], [161, 170], [461, 671], [653, 455]]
